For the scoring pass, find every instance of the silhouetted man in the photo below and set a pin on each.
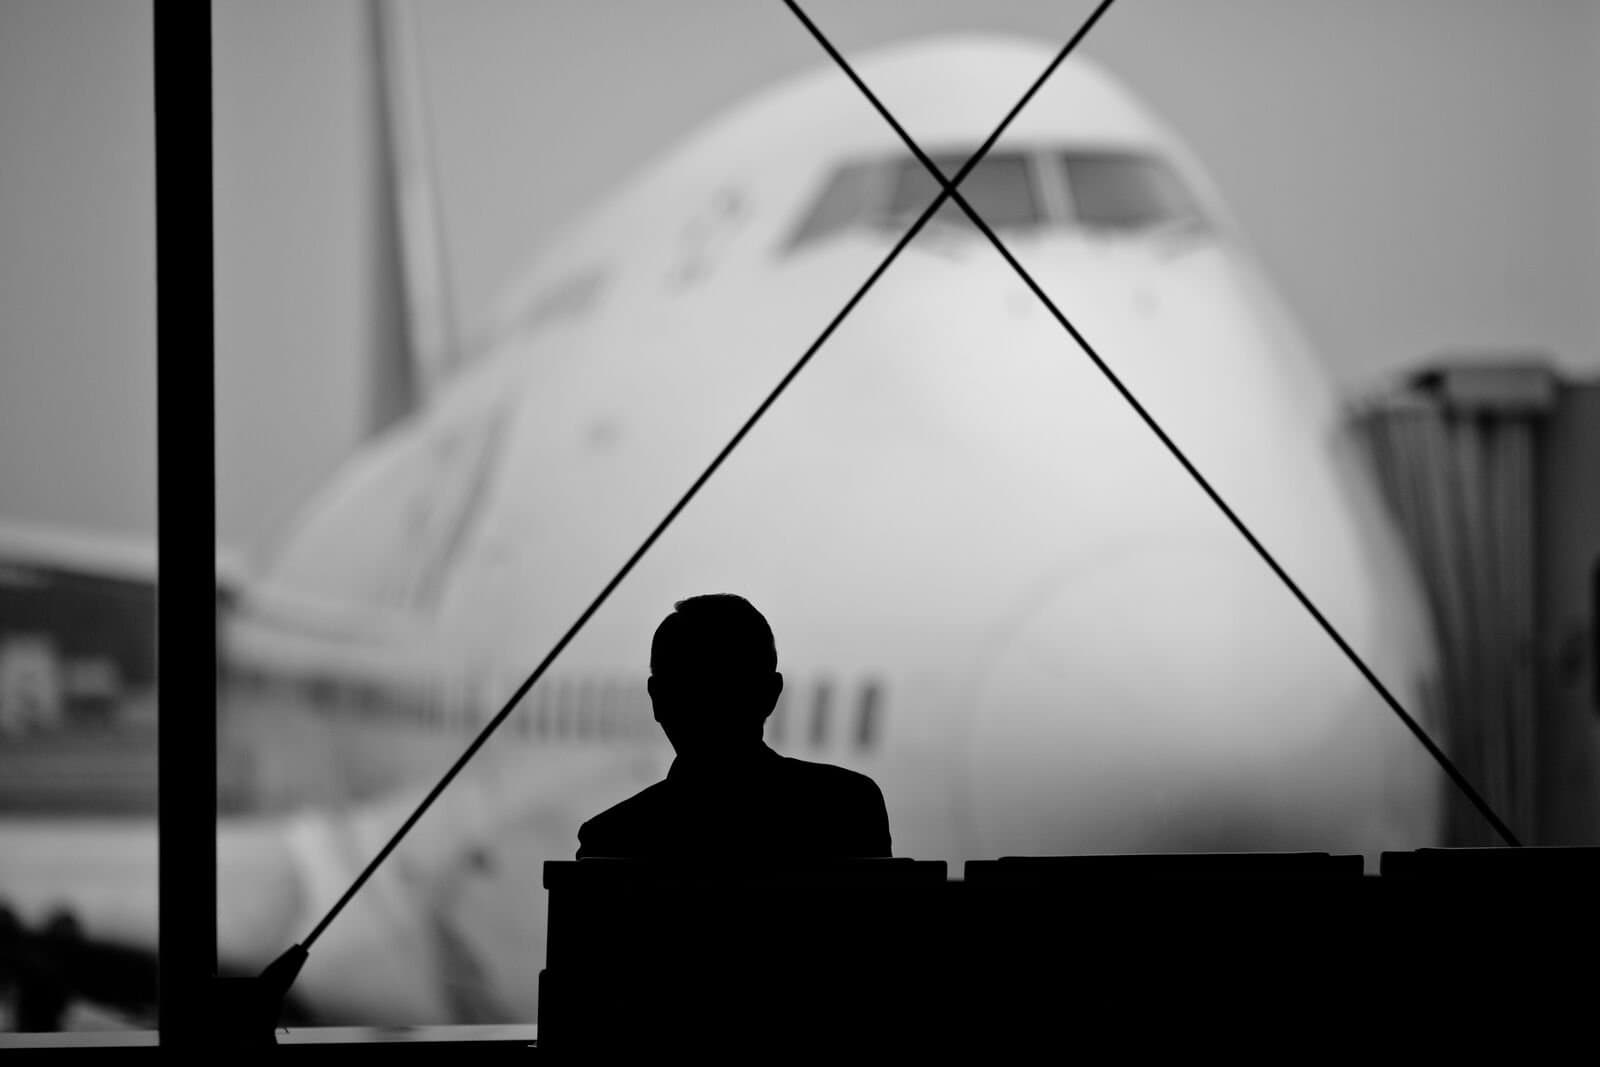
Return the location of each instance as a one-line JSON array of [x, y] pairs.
[[713, 682]]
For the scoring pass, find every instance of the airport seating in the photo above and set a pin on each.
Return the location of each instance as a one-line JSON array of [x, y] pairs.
[[1535, 865], [739, 954], [1506, 934], [1280, 951], [1122, 944], [1060, 871]]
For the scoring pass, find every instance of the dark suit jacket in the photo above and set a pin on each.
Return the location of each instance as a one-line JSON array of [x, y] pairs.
[[767, 806]]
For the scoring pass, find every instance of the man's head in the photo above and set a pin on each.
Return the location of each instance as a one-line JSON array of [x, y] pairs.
[[713, 673]]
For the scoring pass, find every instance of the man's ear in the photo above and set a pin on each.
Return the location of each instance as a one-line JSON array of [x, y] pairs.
[[655, 698], [776, 690]]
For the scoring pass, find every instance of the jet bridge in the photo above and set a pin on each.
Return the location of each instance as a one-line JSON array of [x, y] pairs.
[[1489, 463]]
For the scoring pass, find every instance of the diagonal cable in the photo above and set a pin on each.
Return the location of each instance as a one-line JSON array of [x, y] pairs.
[[948, 188], [638, 554]]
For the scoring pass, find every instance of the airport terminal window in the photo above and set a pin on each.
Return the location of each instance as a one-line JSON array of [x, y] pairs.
[[1119, 190], [1001, 190]]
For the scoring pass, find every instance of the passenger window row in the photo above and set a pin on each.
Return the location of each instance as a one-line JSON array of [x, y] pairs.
[[816, 715], [825, 715]]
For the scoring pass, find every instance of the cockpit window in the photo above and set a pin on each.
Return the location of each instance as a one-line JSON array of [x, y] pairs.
[[1126, 191], [845, 201], [1000, 189], [1104, 189]]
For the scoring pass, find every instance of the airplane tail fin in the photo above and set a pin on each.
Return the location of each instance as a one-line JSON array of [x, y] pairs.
[[412, 239]]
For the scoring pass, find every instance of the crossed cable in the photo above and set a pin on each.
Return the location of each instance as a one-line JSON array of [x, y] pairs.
[[947, 191]]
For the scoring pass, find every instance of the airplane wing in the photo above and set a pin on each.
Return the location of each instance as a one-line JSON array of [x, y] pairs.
[[81, 893], [80, 904], [78, 839]]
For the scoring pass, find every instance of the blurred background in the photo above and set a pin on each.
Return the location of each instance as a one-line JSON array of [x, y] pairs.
[[1419, 180]]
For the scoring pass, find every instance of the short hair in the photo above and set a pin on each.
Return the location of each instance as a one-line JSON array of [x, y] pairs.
[[725, 625]]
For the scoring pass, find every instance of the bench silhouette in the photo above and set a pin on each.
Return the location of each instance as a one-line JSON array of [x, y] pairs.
[[1141, 950]]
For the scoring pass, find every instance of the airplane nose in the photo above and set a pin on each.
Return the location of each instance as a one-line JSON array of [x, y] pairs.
[[1181, 699]]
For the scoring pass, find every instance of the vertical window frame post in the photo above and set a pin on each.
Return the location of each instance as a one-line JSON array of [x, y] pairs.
[[186, 589]]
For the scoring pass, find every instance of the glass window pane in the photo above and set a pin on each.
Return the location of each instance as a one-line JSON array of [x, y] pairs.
[[1000, 189], [932, 518], [78, 730], [1126, 190]]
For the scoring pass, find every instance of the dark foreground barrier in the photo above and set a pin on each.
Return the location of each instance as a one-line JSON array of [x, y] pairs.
[[739, 955], [1148, 951], [1298, 952], [1498, 942]]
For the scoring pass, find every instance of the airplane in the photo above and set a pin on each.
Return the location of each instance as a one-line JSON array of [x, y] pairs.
[[992, 589]]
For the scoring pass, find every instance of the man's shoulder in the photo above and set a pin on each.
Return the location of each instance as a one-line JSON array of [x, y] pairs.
[[643, 807], [848, 802], [827, 776]]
